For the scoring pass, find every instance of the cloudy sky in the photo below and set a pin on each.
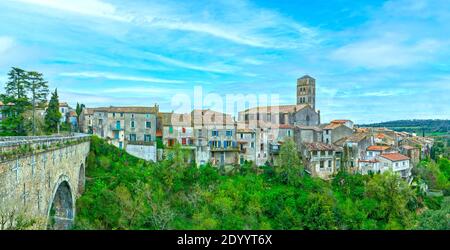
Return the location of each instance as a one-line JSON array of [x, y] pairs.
[[372, 60]]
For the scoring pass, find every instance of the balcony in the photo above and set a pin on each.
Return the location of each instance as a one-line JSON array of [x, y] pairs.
[[222, 149], [116, 128], [141, 143]]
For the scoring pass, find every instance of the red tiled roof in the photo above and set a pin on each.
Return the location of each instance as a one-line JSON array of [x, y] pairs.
[[320, 146], [377, 148], [340, 121], [395, 157], [333, 125]]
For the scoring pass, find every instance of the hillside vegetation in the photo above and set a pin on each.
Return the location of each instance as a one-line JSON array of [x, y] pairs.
[[429, 127], [123, 192]]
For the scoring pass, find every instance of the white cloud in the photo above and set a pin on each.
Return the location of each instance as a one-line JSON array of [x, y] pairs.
[[94, 8], [6, 43], [211, 68], [241, 24], [112, 76], [386, 52]]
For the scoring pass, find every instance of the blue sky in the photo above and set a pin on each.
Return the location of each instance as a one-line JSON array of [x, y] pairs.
[[372, 60]]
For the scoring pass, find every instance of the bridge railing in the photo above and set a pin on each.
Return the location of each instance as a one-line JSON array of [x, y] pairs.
[[13, 145]]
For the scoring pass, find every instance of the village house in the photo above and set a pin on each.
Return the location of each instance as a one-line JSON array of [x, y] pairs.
[[86, 120], [374, 151], [130, 128], [333, 132], [354, 149], [246, 139], [412, 152], [397, 163], [320, 159], [215, 135], [345, 122]]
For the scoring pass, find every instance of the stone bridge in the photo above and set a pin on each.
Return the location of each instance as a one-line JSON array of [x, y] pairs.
[[41, 177]]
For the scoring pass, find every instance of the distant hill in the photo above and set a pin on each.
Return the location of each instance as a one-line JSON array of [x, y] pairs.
[[429, 126]]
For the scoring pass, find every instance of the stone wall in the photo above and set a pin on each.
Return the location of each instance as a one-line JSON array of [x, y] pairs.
[[29, 180]]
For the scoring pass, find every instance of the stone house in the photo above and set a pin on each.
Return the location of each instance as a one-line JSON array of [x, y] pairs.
[[412, 152], [354, 149], [321, 159], [130, 128], [347, 123], [373, 151], [86, 120], [307, 134], [335, 131], [215, 137], [246, 139]]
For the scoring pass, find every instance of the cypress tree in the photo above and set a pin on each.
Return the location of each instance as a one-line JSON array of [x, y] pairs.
[[52, 115]]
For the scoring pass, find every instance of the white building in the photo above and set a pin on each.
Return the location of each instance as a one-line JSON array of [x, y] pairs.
[[395, 162]]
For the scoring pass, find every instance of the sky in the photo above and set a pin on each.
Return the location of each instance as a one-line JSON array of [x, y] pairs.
[[373, 61]]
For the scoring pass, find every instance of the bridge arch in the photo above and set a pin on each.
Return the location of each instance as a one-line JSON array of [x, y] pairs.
[[81, 179], [61, 211]]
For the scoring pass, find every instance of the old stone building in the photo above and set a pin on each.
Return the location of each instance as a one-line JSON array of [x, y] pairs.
[[320, 159], [306, 91], [215, 137], [130, 128], [335, 131]]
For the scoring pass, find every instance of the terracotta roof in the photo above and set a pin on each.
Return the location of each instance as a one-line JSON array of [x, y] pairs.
[[129, 109], [320, 146], [395, 157], [377, 148], [340, 121], [333, 125], [276, 109]]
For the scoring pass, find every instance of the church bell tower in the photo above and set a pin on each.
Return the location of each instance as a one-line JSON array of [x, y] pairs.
[[306, 91]]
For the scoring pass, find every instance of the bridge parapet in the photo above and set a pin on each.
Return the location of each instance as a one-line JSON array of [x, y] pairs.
[[11, 146]]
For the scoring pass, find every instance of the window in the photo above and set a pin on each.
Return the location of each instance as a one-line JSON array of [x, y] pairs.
[[132, 124], [329, 163], [121, 114], [100, 121], [183, 141], [289, 132], [229, 133], [114, 115], [262, 147], [225, 144], [148, 138], [183, 130], [321, 164], [170, 129], [330, 152], [148, 124], [404, 163], [242, 136], [116, 135], [314, 153], [215, 133], [327, 131], [252, 145], [132, 115], [132, 137], [148, 115], [117, 124]]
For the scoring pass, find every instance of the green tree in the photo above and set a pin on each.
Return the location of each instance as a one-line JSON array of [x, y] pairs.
[[38, 90], [289, 164], [17, 103], [436, 219], [53, 116], [79, 110], [392, 195]]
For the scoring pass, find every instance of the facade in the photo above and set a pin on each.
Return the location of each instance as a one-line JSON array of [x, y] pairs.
[[412, 152], [306, 91], [347, 123], [307, 134], [64, 109], [129, 128], [374, 151], [86, 120], [215, 137], [320, 159], [335, 131], [397, 163], [246, 140], [354, 149]]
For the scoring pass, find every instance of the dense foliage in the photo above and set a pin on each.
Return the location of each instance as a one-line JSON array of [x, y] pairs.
[[123, 192]]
